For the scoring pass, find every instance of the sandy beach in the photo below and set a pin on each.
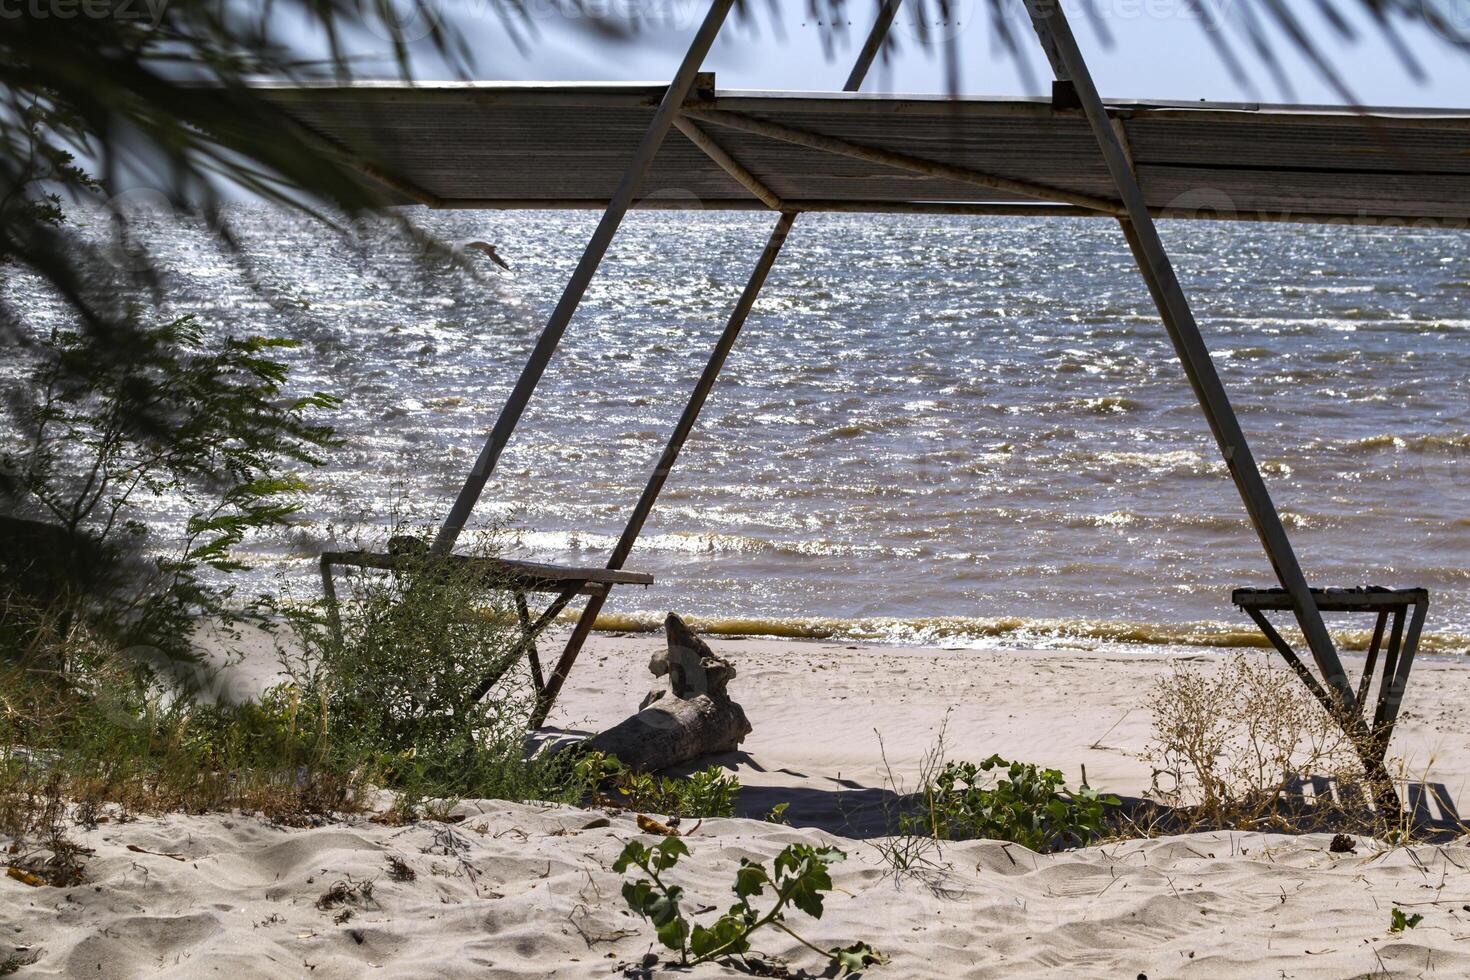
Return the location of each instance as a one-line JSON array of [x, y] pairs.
[[516, 890], [1028, 414]]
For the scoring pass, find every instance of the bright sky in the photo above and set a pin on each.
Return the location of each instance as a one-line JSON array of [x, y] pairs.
[[1159, 50]]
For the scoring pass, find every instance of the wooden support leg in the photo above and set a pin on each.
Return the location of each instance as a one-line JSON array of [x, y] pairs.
[[533, 656], [1068, 64], [1390, 664], [1293, 661], [666, 461], [329, 593], [1372, 661], [529, 632], [1387, 712], [1369, 747], [872, 45], [571, 297], [702, 388]]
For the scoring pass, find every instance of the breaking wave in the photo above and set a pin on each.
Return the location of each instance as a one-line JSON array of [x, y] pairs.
[[983, 632]]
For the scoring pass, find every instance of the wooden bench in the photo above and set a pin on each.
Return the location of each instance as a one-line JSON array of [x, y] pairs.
[[519, 577], [1403, 643]]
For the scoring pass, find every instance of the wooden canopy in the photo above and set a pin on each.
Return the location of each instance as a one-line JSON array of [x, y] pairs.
[[503, 145], [689, 145]]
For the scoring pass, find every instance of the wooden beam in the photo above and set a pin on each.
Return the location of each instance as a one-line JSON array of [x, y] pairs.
[[648, 95], [693, 407], [372, 171], [571, 297], [1017, 209], [872, 45], [1148, 249], [727, 163], [902, 161], [666, 461]]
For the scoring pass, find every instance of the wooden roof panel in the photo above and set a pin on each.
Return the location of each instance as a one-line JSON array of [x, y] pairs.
[[497, 144]]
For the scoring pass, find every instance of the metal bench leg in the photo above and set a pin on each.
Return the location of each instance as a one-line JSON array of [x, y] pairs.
[[530, 630], [1293, 661], [1391, 699], [1390, 664]]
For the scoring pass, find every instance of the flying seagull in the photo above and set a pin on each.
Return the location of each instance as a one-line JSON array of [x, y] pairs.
[[489, 250]]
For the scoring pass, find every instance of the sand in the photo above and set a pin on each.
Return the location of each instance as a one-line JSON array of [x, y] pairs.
[[515, 890], [826, 714]]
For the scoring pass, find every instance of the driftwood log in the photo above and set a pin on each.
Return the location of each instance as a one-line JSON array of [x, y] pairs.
[[688, 713]]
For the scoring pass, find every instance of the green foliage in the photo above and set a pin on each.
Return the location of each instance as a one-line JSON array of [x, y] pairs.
[[424, 673], [1027, 804], [799, 877], [1398, 921], [162, 89], [78, 463], [42, 162], [97, 613], [778, 813], [709, 792], [119, 740], [124, 738]]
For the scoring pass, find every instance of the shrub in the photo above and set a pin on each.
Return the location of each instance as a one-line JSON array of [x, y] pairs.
[[121, 746], [96, 609], [426, 677], [1028, 805], [1230, 740], [96, 445], [709, 792]]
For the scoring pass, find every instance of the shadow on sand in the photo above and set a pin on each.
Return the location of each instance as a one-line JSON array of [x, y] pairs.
[[848, 808]]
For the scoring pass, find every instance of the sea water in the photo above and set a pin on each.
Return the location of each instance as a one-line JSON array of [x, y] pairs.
[[965, 431]]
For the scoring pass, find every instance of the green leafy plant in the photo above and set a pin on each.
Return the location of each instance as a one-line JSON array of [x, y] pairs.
[[799, 878], [709, 792], [1398, 921], [1023, 803], [778, 814], [98, 613]]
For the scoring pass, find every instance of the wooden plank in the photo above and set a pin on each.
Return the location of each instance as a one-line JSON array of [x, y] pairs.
[[904, 161], [1272, 161], [528, 575], [1332, 600], [647, 95]]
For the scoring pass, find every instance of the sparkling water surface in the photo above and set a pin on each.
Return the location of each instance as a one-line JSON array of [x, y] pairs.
[[956, 430]]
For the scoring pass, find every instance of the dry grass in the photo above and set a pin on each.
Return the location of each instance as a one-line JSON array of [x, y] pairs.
[[1234, 742]]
